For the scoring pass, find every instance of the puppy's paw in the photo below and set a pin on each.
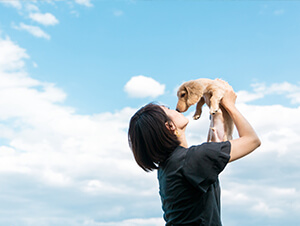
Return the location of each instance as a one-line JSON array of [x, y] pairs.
[[196, 116], [213, 111]]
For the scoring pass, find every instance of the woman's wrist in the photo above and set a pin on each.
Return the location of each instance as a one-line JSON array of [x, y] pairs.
[[229, 106]]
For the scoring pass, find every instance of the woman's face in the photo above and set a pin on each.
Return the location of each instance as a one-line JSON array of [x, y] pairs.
[[178, 118]]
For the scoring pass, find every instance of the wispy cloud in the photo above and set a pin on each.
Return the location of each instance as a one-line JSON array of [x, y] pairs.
[[269, 10], [16, 3], [32, 7], [34, 30], [279, 12], [84, 2], [260, 90], [45, 19], [118, 13], [142, 86]]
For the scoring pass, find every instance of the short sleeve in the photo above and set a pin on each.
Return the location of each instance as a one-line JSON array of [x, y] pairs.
[[204, 163]]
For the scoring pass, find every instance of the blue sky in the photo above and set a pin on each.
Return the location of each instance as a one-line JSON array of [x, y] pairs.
[[73, 72]]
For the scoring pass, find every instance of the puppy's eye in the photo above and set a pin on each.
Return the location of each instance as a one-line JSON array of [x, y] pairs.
[[182, 95]]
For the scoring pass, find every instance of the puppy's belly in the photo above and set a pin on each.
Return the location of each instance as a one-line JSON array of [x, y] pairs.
[[216, 130]]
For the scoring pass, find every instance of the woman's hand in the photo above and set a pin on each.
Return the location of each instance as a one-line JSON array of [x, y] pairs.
[[229, 97]]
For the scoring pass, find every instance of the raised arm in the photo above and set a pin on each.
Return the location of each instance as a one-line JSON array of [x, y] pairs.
[[248, 141]]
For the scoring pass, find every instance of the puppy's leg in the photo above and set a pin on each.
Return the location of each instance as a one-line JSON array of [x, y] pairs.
[[215, 101], [211, 132], [199, 109], [216, 129]]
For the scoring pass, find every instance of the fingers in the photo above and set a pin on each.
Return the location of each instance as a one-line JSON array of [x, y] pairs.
[[229, 95]]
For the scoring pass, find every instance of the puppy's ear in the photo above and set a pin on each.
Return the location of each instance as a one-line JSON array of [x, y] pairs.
[[194, 91], [182, 92]]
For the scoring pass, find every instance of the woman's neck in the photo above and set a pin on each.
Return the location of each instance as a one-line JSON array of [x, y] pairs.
[[183, 141]]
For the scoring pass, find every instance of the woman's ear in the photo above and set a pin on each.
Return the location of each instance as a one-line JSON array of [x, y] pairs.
[[170, 126]]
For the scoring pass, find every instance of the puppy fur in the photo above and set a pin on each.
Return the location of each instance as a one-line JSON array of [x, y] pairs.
[[207, 91]]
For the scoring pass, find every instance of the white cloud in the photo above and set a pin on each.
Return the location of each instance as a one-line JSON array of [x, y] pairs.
[[97, 186], [258, 198], [55, 178], [142, 86], [295, 97], [264, 208], [84, 2], [16, 3], [260, 90], [11, 55], [45, 19], [34, 30], [245, 96]]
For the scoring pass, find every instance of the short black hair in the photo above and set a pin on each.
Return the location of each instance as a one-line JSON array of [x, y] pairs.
[[148, 137]]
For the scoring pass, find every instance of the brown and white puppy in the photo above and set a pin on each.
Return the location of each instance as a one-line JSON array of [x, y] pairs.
[[207, 91]]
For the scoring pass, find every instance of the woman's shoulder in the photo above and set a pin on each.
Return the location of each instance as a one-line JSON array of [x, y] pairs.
[[208, 152], [176, 158], [209, 146]]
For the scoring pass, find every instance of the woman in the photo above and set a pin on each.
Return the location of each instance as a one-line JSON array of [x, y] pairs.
[[188, 176]]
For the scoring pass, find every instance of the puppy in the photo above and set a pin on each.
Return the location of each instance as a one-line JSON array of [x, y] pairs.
[[207, 91]]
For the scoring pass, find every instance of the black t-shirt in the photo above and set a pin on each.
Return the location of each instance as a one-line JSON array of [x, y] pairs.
[[189, 185]]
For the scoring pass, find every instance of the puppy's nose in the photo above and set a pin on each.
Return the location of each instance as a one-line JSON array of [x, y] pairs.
[[177, 109]]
